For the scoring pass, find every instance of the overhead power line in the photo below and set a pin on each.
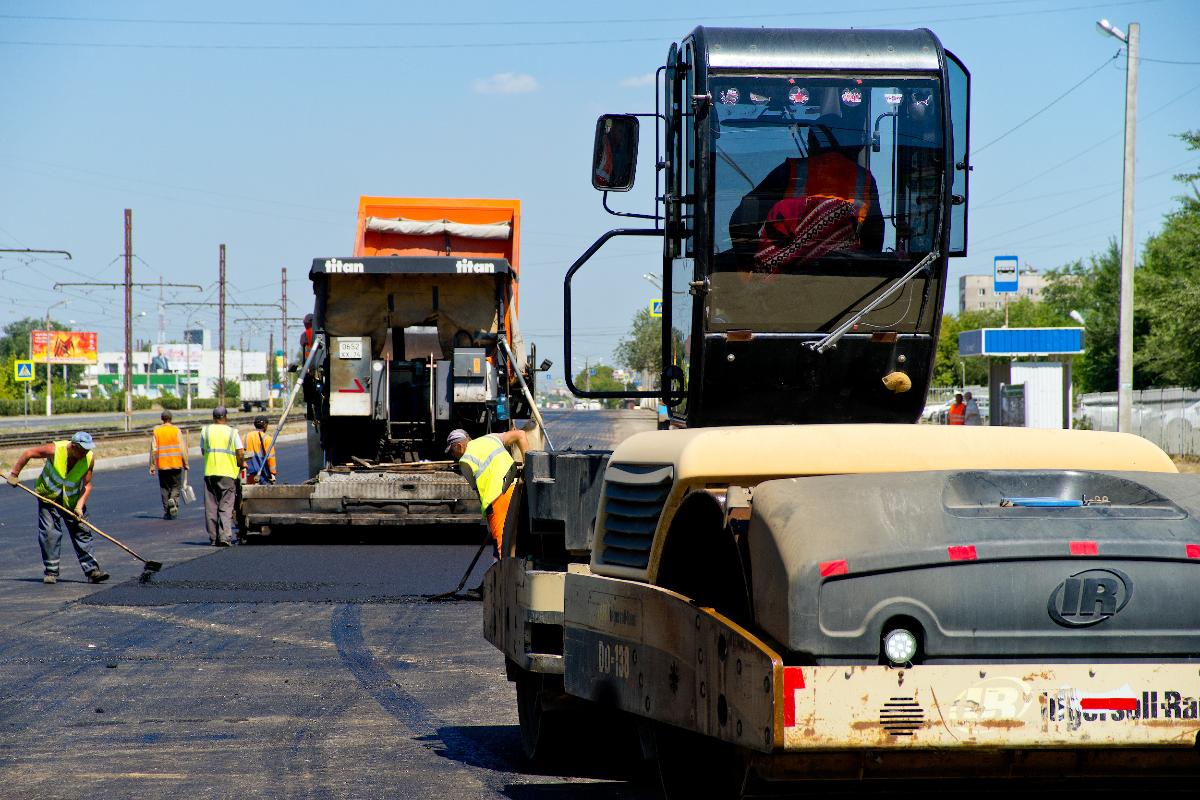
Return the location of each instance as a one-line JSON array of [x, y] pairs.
[[1049, 105]]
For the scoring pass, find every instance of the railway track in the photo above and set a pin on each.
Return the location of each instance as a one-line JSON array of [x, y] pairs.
[[111, 432]]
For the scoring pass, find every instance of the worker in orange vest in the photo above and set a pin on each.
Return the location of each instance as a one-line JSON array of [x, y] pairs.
[[168, 457], [258, 445], [957, 415]]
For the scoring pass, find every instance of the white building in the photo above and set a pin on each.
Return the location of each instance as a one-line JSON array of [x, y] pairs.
[[168, 367], [975, 291]]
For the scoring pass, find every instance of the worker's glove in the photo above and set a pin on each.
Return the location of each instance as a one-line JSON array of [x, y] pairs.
[[13, 480]]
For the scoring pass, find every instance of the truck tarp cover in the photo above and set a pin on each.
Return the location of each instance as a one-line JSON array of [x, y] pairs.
[[437, 227]]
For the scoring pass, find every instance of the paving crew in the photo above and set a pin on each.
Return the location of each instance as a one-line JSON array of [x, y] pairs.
[[957, 413], [224, 456], [66, 479], [258, 445], [168, 457], [486, 462]]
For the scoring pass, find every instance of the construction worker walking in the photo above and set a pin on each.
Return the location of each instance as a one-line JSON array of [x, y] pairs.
[[487, 463], [224, 456], [168, 457], [259, 467], [66, 479]]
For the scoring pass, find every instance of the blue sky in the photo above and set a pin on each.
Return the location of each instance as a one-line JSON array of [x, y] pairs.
[[259, 125]]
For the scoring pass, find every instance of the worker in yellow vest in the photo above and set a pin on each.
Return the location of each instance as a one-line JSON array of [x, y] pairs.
[[485, 461], [168, 457], [224, 455], [67, 480]]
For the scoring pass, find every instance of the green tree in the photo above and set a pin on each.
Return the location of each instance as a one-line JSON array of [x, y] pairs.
[[641, 349], [1168, 291], [14, 345], [601, 381]]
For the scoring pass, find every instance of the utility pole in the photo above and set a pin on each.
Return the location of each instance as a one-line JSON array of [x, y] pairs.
[[221, 315], [283, 306], [1125, 353], [128, 319], [271, 369], [162, 313]]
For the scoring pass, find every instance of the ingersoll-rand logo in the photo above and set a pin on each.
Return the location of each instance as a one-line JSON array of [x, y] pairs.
[[1089, 597], [337, 265]]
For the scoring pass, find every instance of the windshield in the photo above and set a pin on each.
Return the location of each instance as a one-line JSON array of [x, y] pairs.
[[826, 189]]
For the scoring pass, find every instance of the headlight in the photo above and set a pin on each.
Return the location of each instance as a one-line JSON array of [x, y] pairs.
[[900, 646]]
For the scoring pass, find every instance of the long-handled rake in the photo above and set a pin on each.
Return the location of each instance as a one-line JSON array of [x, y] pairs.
[[151, 566]]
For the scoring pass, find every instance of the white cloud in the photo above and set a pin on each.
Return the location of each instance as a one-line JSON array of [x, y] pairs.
[[506, 83], [639, 81]]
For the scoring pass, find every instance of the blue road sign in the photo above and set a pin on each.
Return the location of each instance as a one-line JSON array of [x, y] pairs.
[[656, 308], [1006, 275], [23, 370], [592, 372]]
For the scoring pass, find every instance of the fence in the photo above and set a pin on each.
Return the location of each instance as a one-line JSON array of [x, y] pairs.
[[1168, 417]]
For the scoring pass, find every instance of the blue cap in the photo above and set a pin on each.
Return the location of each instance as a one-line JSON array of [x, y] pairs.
[[84, 440]]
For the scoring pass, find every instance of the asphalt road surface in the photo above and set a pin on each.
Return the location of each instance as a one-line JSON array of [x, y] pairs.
[[277, 671], [294, 671]]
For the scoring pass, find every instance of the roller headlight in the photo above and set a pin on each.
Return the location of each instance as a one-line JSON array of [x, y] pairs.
[[900, 646]]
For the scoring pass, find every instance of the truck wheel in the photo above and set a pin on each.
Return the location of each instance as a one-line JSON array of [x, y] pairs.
[[543, 731], [691, 765]]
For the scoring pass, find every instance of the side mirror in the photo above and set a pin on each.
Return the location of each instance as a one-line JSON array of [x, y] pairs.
[[614, 156]]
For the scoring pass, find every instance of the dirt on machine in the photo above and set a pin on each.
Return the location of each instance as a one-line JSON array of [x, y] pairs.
[[795, 581], [415, 333]]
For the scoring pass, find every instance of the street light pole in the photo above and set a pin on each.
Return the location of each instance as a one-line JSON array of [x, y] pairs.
[[1125, 311]]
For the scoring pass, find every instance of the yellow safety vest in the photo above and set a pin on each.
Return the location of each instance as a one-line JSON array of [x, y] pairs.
[[59, 484], [489, 463], [220, 456]]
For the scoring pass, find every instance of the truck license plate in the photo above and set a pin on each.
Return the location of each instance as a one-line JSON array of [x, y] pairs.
[[350, 348]]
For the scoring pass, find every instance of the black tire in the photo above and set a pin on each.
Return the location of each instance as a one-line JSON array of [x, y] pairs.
[[543, 731], [691, 765]]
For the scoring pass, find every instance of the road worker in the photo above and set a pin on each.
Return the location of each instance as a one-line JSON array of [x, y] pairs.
[[971, 414], [66, 479], [258, 446], [485, 461], [957, 413], [224, 455], [168, 457]]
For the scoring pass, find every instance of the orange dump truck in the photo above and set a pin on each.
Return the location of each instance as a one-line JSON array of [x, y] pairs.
[[416, 332]]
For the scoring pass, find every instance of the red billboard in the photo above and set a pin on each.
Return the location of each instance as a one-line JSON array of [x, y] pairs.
[[64, 347]]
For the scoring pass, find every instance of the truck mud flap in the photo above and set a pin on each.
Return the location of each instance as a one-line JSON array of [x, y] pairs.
[[651, 652], [523, 614]]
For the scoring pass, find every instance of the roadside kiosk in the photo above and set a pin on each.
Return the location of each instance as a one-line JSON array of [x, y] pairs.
[[1028, 394]]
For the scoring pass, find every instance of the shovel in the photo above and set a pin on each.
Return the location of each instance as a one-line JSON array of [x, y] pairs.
[[151, 566]]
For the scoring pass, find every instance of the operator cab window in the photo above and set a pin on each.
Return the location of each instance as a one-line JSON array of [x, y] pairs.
[[836, 177]]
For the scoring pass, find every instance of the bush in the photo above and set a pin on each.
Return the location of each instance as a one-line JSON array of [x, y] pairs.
[[179, 403]]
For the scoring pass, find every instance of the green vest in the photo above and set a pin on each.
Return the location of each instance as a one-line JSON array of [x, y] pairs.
[[59, 484], [489, 462], [220, 456]]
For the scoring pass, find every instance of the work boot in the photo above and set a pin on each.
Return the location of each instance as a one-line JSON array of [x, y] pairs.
[[48, 578], [97, 575]]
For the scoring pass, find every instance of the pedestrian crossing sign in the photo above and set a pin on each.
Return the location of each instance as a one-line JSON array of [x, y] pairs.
[[23, 370], [656, 308]]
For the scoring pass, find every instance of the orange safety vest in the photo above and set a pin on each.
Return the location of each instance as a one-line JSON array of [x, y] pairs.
[[834, 176], [168, 447], [957, 415], [306, 341]]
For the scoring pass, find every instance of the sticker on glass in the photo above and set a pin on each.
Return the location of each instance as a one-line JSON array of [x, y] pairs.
[[730, 96], [852, 97], [893, 99], [798, 95], [758, 98]]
